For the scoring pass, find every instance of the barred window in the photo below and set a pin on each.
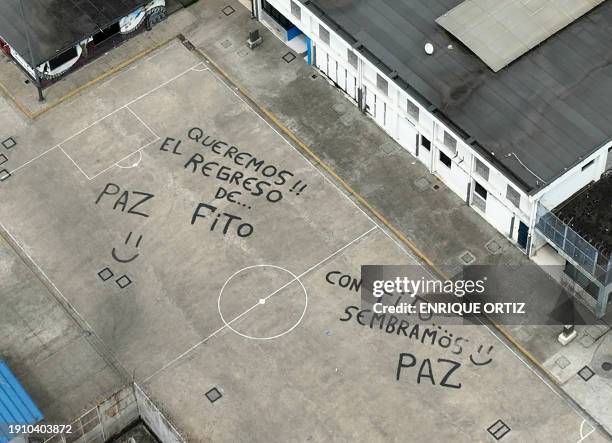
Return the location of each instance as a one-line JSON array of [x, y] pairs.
[[324, 34], [296, 11], [482, 169], [352, 58], [513, 196], [382, 84], [412, 109]]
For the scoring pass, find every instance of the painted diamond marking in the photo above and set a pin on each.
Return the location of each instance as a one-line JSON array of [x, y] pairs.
[[105, 274], [124, 281]]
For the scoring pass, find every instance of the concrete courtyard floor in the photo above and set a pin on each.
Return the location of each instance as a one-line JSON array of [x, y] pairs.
[[394, 184], [131, 264]]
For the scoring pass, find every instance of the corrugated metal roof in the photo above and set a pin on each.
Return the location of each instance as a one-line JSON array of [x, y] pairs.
[[499, 32], [16, 406]]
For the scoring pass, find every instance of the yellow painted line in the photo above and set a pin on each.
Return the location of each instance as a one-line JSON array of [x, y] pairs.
[[327, 168], [87, 85], [370, 208], [527, 354]]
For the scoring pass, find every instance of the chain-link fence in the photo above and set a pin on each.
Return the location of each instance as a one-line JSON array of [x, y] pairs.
[[578, 249]]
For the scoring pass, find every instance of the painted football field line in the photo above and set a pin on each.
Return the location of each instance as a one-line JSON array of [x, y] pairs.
[[227, 324], [234, 89], [414, 251], [126, 105]]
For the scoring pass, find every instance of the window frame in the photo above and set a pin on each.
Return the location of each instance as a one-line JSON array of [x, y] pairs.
[[414, 107], [477, 187], [351, 55], [477, 163], [446, 161], [510, 190], [449, 141], [294, 7], [588, 165], [382, 84], [324, 34], [427, 144]]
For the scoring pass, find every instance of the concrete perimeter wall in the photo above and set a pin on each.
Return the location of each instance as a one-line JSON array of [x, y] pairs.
[[155, 420], [111, 416]]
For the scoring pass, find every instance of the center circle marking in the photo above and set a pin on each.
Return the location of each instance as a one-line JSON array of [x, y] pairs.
[[262, 301]]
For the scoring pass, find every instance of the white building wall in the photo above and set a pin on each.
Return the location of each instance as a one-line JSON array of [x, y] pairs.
[[499, 216], [457, 177], [390, 112], [575, 179]]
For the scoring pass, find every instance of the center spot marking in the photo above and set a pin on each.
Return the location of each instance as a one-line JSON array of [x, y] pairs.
[[262, 302]]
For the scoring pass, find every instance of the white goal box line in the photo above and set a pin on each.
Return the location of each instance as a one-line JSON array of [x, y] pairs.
[[122, 107]]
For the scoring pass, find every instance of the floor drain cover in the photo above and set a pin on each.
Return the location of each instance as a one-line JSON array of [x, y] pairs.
[[339, 108], [587, 341], [228, 10], [421, 183], [9, 143], [563, 362], [467, 257], [493, 247], [346, 119], [289, 57], [586, 373], [389, 147], [213, 395], [498, 430], [512, 264], [606, 366]]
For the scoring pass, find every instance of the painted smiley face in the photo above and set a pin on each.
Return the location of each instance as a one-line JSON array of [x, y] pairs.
[[119, 258], [479, 355]]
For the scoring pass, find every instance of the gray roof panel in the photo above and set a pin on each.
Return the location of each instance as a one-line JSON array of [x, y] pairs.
[[501, 31]]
